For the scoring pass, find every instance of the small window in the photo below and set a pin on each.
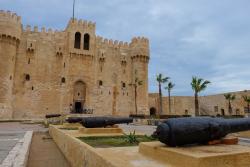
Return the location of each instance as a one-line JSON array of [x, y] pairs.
[[29, 61], [216, 109], [86, 42], [123, 85], [10, 77], [27, 77], [63, 80], [32, 88], [64, 65], [100, 83], [77, 40], [186, 112]]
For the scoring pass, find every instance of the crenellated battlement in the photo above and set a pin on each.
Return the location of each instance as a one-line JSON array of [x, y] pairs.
[[136, 41], [28, 28], [112, 43], [43, 32], [82, 24], [9, 16], [140, 48], [10, 25], [139, 41]]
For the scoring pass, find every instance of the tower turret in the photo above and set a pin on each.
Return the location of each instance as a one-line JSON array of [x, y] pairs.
[[140, 57], [81, 37], [10, 34]]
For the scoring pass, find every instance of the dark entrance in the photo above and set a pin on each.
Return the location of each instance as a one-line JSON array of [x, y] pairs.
[[152, 111], [78, 107], [222, 112]]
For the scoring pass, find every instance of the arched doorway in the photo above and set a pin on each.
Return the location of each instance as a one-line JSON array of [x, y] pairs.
[[79, 98], [152, 111]]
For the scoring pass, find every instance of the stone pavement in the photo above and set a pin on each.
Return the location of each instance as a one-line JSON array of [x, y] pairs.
[[11, 133], [7, 141]]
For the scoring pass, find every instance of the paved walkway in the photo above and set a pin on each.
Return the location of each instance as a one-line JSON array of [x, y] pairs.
[[11, 133], [7, 141]]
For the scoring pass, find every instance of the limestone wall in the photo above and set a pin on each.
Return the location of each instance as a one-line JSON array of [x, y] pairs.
[[209, 105], [48, 70], [10, 32]]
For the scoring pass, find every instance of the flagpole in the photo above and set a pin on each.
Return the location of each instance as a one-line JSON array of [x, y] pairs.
[[73, 10]]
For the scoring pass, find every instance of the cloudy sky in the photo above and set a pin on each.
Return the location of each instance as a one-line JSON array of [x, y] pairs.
[[205, 38]]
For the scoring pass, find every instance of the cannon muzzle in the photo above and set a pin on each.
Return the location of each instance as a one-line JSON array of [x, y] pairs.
[[198, 130]]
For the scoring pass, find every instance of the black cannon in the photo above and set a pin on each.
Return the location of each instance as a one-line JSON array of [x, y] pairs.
[[74, 119], [52, 115], [95, 122], [198, 130]]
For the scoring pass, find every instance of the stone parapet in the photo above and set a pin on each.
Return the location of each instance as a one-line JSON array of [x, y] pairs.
[[10, 25]]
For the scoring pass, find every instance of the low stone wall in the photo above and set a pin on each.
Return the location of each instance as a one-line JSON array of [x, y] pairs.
[[77, 152]]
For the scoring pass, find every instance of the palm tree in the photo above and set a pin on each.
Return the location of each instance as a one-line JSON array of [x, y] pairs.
[[169, 87], [160, 79], [247, 100], [230, 97], [136, 83], [198, 85]]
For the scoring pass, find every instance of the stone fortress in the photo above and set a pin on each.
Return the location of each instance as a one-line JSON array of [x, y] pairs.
[[45, 72]]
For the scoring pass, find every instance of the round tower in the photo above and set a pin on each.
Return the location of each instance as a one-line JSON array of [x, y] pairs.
[[140, 58], [10, 34]]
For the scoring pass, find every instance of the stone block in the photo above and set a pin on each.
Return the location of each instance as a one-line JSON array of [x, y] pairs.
[[198, 156]]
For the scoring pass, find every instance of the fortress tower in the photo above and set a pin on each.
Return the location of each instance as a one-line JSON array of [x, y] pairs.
[[140, 57], [10, 35]]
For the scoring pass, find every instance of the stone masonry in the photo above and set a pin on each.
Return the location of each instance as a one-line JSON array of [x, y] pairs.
[[45, 72]]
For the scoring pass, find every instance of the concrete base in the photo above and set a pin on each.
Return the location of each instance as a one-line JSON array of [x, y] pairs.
[[100, 130], [198, 156]]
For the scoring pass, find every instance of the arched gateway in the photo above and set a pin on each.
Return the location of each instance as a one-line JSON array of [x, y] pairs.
[[79, 97]]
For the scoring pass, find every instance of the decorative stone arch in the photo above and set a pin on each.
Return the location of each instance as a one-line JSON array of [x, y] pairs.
[[77, 43], [79, 96], [86, 41]]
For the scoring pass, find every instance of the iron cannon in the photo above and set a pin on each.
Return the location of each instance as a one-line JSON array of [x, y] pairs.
[[198, 130], [52, 115], [95, 122]]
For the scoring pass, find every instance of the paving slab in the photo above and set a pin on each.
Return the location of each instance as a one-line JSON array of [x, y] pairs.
[[11, 133]]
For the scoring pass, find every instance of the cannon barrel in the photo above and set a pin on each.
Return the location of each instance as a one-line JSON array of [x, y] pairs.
[[74, 119], [198, 130], [52, 115], [95, 122]]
